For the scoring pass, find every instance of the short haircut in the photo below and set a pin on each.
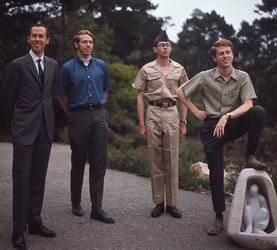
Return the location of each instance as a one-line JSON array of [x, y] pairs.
[[221, 43], [38, 25], [83, 32]]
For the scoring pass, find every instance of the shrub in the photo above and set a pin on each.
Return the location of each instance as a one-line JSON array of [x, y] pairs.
[[190, 152], [136, 161], [129, 160]]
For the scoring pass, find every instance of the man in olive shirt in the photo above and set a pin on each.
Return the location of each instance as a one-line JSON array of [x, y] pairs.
[[228, 96], [157, 81]]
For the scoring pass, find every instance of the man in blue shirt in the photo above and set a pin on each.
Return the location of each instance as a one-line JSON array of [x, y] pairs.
[[83, 89]]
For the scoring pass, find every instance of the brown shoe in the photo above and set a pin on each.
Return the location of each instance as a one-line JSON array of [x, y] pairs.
[[252, 162], [216, 228]]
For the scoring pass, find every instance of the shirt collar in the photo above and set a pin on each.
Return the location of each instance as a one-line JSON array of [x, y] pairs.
[[35, 57], [82, 61], [155, 63], [232, 75]]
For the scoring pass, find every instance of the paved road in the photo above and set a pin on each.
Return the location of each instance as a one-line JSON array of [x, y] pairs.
[[126, 197]]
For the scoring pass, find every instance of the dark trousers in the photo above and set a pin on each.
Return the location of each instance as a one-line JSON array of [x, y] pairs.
[[28, 173], [88, 135], [252, 122]]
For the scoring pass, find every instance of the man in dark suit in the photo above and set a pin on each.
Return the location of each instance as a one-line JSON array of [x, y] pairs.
[[28, 110]]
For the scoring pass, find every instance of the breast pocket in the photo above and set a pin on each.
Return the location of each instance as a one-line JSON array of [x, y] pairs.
[[154, 81], [232, 96], [172, 82]]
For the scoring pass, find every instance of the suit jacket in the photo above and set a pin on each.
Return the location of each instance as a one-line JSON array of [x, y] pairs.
[[26, 100]]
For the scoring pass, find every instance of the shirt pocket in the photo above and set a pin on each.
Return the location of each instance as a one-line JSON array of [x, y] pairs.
[[172, 81], [232, 96], [154, 81]]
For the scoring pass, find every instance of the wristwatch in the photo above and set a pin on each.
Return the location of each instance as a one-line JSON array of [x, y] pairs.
[[183, 121], [229, 116]]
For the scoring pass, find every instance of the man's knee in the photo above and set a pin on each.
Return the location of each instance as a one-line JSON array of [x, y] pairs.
[[259, 112]]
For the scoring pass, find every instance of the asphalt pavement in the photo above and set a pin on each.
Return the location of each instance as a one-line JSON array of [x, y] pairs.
[[127, 198]]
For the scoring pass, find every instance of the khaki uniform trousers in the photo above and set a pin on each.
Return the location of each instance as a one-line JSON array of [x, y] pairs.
[[162, 126]]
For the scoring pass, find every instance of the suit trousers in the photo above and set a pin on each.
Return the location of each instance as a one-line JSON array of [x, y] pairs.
[[162, 126], [88, 135], [251, 122], [30, 163]]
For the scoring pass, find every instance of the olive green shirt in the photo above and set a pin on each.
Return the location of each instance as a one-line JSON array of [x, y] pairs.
[[158, 85], [220, 95]]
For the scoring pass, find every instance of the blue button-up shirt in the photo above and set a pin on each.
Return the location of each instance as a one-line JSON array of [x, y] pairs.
[[84, 85]]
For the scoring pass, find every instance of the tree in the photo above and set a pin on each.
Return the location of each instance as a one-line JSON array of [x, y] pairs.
[[258, 55], [135, 29], [122, 108], [197, 37]]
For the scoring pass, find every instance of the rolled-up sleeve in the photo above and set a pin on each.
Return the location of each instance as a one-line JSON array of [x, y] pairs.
[[247, 90], [140, 81], [193, 85]]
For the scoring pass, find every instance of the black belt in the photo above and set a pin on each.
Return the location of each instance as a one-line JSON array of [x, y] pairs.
[[90, 107], [207, 119], [163, 104]]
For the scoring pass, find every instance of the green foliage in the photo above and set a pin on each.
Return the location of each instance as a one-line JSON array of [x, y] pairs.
[[127, 159], [190, 152], [193, 122], [230, 188], [63, 135], [257, 55], [136, 161], [134, 26], [62, 32], [266, 151], [195, 40], [121, 107], [268, 145]]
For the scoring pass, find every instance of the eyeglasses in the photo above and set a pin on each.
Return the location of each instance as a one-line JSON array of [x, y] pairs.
[[164, 45]]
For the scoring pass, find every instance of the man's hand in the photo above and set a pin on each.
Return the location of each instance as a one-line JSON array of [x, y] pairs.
[[201, 115], [182, 129], [143, 131], [219, 128]]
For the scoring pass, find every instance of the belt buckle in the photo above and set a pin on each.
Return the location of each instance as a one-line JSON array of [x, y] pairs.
[[165, 104]]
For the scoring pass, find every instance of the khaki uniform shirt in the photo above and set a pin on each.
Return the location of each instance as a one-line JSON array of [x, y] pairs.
[[157, 85], [220, 95]]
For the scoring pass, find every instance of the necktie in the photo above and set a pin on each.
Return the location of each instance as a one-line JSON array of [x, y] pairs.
[[40, 72]]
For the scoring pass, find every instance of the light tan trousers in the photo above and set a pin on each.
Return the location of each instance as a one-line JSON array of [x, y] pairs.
[[162, 126]]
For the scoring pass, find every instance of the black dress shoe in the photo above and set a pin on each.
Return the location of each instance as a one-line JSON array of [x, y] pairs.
[[42, 231], [173, 211], [101, 216], [18, 241], [158, 210], [77, 210]]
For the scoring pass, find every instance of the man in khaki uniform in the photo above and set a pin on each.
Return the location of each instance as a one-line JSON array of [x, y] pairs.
[[157, 81], [228, 96]]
